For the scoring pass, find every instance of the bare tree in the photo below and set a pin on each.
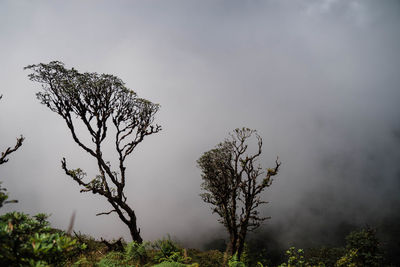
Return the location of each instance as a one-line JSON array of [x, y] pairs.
[[4, 159], [230, 181], [96, 100]]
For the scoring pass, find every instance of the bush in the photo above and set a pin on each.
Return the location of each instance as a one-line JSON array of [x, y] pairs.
[[136, 252], [113, 259], [235, 262], [53, 248], [295, 257], [348, 260], [26, 240], [324, 256], [364, 248], [169, 251], [209, 258]]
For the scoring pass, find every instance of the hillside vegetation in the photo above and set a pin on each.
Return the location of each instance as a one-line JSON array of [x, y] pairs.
[[30, 241]]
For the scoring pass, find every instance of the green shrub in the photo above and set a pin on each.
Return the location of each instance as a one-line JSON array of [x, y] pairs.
[[348, 260], [324, 256], [235, 262], [113, 259], [209, 258], [82, 262], [367, 247], [26, 240], [4, 196], [91, 243], [53, 248], [295, 257], [136, 252], [169, 251], [91, 255]]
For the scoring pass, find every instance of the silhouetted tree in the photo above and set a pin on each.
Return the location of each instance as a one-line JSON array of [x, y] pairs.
[[96, 99], [230, 181], [4, 159]]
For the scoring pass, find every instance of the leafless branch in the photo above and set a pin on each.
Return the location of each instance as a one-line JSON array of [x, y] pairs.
[[105, 213]]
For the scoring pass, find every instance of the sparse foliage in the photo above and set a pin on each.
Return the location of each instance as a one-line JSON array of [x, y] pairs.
[[209, 258], [295, 257], [4, 159], [4, 197], [327, 256], [348, 259], [9, 150], [96, 100], [232, 186]]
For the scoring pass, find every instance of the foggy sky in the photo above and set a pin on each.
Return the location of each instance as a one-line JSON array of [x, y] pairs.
[[319, 80]]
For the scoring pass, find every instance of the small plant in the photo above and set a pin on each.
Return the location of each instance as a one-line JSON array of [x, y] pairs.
[[327, 256], [169, 251], [4, 196], [208, 258], [348, 260], [113, 259], [91, 243], [81, 262], [295, 258], [136, 252], [235, 262]]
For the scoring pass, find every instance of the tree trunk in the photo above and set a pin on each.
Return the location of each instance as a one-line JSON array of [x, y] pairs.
[[131, 222], [135, 233], [241, 240], [231, 249], [240, 247]]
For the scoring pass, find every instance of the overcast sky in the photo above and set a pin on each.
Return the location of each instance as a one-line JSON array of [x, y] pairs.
[[319, 80]]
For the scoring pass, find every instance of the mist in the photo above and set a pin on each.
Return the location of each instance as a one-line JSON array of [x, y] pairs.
[[319, 80]]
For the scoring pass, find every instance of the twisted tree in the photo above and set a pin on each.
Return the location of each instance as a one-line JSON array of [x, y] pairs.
[[98, 101], [231, 185], [4, 159]]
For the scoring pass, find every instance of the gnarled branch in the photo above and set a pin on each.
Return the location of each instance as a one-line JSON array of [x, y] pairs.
[[9, 150]]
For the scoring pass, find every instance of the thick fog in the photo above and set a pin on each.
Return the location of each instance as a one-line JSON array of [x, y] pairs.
[[319, 80]]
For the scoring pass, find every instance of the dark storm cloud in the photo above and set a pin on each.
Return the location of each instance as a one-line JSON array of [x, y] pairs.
[[319, 80]]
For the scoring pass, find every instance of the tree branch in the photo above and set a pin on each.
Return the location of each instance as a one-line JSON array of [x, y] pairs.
[[105, 213], [9, 150]]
